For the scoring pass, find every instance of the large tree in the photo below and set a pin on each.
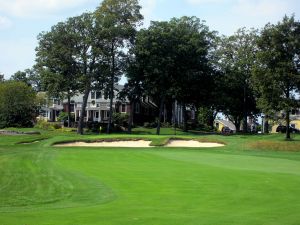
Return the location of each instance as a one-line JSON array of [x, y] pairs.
[[117, 22], [70, 57], [20, 76], [277, 74], [133, 90], [193, 84], [172, 58], [17, 104], [55, 61], [31, 77], [236, 59]]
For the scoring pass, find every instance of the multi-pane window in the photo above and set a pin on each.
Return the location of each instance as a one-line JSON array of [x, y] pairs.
[[98, 95], [92, 95], [123, 108]]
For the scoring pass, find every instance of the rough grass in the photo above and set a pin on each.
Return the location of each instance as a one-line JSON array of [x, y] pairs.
[[276, 145], [238, 184]]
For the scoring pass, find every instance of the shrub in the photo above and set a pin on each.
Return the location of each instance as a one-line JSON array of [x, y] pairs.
[[63, 116], [42, 124], [166, 125], [120, 119], [57, 126], [95, 127], [17, 104], [150, 124]]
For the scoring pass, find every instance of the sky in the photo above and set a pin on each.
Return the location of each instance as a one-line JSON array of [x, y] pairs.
[[22, 20]]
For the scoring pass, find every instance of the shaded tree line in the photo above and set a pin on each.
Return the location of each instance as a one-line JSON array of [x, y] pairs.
[[180, 60]]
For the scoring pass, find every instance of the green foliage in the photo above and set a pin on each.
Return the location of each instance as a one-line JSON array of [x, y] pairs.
[[171, 61], [69, 59], [20, 76], [44, 125], [206, 117], [120, 119], [17, 104], [116, 25], [276, 76], [31, 77], [63, 116], [236, 57], [150, 124], [1, 77]]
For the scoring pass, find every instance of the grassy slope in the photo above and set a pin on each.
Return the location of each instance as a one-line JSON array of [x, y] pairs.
[[237, 184]]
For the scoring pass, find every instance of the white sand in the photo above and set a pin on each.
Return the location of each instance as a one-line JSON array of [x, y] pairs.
[[141, 144], [126, 144], [192, 144]]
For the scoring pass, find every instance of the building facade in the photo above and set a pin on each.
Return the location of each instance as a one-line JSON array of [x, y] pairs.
[[98, 107]]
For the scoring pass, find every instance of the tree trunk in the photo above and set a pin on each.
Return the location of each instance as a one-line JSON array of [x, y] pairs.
[[185, 129], [161, 108], [288, 132], [245, 124], [130, 119], [174, 115], [83, 111], [266, 125], [214, 115], [111, 94], [69, 110], [237, 125]]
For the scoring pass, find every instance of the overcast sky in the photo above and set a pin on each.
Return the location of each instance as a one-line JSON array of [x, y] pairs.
[[22, 20]]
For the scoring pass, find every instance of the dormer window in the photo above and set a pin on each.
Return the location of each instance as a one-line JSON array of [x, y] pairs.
[[93, 95], [98, 95]]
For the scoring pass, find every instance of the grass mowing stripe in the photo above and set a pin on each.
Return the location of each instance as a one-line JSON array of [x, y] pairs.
[[35, 181]]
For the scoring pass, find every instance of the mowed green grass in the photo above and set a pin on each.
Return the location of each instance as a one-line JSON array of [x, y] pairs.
[[252, 180]]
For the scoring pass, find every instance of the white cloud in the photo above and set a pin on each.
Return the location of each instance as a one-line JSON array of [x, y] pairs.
[[261, 7], [5, 23], [23, 8], [148, 7]]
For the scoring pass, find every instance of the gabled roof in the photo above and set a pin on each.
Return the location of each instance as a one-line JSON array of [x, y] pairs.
[[227, 123]]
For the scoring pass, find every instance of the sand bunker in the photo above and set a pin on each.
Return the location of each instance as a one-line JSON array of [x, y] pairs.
[[140, 144], [192, 144], [124, 144]]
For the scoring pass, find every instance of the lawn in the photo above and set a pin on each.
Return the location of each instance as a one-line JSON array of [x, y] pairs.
[[252, 180]]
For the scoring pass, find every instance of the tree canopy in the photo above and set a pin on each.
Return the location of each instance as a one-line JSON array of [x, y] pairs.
[[172, 60], [17, 104], [277, 73], [118, 21]]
